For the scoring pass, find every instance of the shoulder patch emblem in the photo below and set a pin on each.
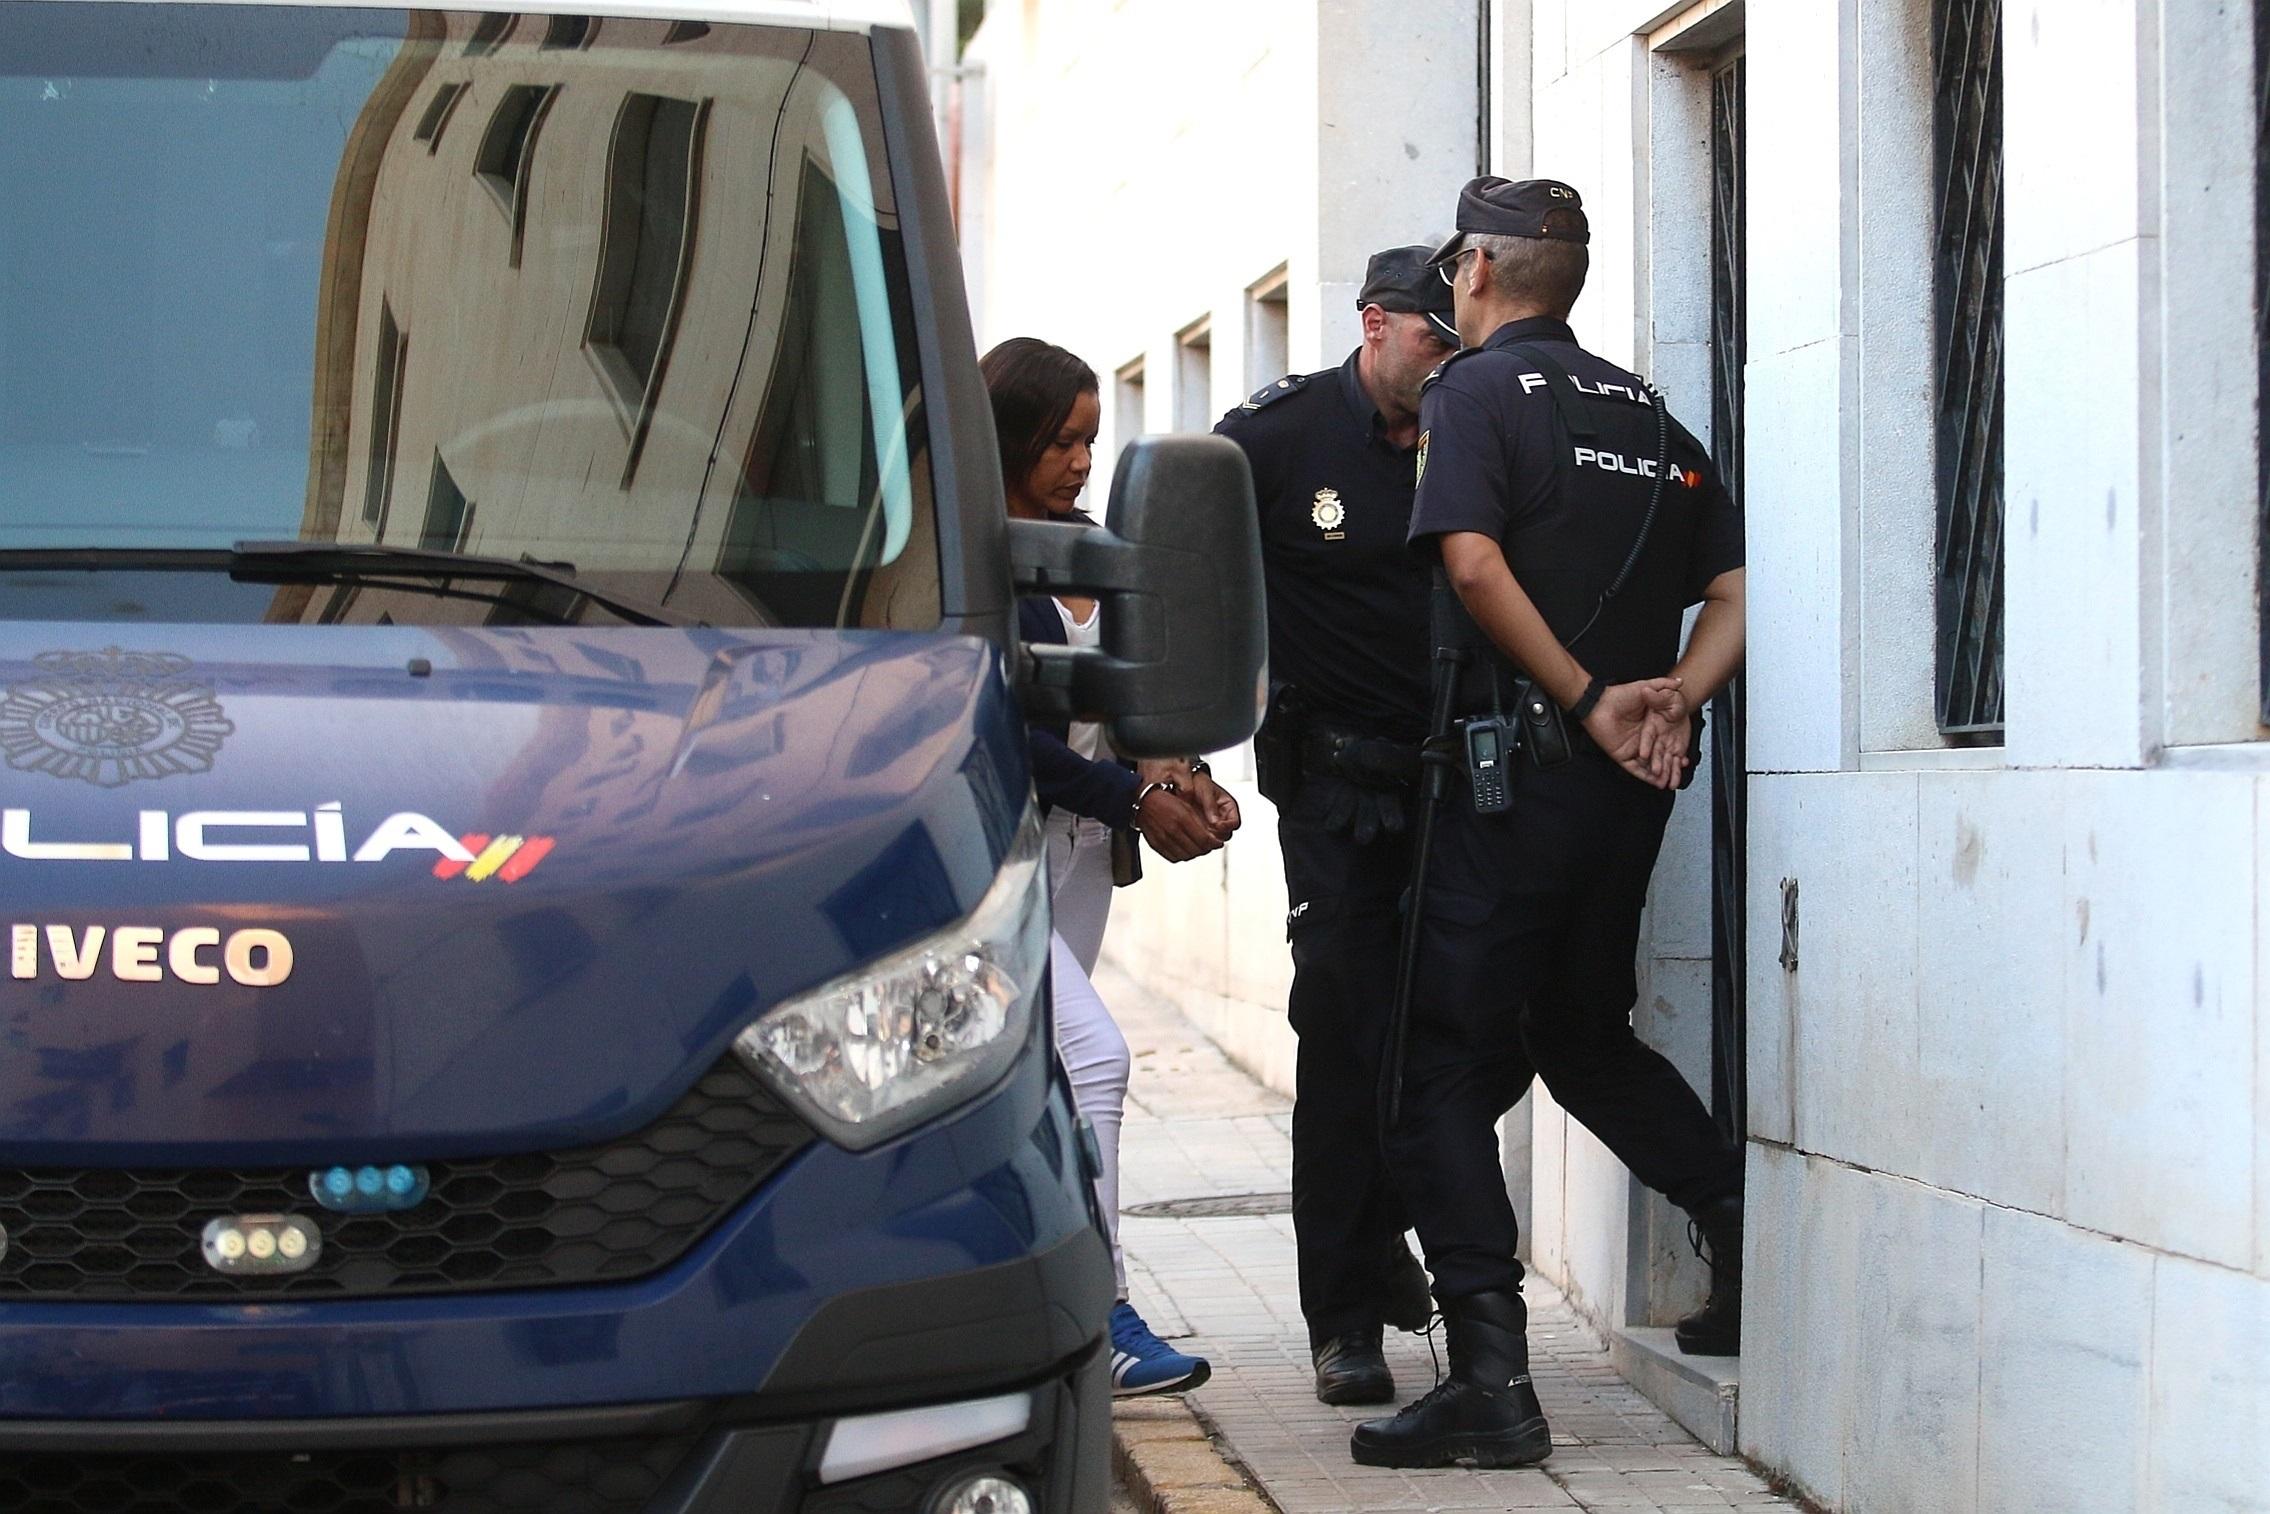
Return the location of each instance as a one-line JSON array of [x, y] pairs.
[[1421, 476], [1291, 383], [1329, 514], [1444, 366]]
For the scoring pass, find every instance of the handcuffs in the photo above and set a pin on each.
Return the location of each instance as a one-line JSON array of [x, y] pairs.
[[1135, 812]]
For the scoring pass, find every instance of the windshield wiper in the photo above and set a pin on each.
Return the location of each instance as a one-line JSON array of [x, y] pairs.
[[281, 561], [325, 559]]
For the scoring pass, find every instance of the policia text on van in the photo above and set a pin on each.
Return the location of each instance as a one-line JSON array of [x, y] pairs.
[[527, 941]]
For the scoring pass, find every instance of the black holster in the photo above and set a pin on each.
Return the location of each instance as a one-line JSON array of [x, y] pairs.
[[1277, 746], [1544, 729]]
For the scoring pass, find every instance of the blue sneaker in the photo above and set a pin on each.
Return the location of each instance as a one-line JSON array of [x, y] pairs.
[[1142, 1363]]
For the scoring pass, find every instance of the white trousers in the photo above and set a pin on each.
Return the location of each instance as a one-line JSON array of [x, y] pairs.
[[1094, 1053]]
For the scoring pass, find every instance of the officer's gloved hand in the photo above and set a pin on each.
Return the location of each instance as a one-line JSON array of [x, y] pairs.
[[1362, 813]]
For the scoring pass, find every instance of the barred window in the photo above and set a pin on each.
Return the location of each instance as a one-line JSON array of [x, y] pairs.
[[1729, 806], [2262, 333], [1966, 56]]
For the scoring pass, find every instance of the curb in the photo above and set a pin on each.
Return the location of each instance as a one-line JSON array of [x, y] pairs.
[[1171, 1463]]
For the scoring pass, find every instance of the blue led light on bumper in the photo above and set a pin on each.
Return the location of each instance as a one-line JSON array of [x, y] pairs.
[[369, 1190]]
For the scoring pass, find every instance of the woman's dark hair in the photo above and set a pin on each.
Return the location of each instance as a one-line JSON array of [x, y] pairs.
[[1034, 386]]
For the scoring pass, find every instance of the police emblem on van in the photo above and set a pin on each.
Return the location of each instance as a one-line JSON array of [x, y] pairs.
[[111, 717]]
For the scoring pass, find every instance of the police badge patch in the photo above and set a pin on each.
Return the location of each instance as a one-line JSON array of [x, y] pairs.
[[110, 717], [1329, 514], [1422, 474]]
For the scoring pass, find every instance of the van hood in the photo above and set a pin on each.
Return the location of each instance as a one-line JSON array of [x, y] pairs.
[[528, 883]]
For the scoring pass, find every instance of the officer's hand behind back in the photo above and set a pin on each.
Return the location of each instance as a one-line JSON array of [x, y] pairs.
[[1666, 745], [1620, 721]]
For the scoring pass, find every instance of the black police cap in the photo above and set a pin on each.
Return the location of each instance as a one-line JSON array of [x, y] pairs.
[[1540, 208], [1402, 279]]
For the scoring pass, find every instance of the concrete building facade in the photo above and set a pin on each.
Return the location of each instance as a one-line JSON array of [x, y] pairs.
[[1966, 292]]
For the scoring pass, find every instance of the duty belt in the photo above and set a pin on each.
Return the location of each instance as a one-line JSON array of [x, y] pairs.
[[1321, 753]]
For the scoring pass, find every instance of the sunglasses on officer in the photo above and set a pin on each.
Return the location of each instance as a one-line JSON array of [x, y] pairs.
[[1449, 271]]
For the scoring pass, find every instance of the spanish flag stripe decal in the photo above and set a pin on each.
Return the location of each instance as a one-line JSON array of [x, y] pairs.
[[493, 856], [450, 867], [524, 861]]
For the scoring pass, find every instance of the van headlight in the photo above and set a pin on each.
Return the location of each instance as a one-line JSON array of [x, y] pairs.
[[933, 1024]]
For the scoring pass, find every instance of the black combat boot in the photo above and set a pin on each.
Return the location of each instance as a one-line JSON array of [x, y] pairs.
[[1404, 1299], [1716, 1328], [1484, 1414], [1351, 1369]]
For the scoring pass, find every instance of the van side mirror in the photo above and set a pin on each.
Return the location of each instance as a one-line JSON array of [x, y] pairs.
[[1177, 569]]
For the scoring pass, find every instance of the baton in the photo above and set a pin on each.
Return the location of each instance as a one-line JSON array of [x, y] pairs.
[[1435, 758]]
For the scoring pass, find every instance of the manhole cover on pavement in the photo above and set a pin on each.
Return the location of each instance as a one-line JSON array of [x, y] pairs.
[[1218, 1207]]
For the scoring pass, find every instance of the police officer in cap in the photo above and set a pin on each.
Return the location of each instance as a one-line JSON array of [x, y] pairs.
[[1334, 457], [1576, 522]]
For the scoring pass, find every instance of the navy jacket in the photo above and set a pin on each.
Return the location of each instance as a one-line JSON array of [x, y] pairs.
[[1103, 789]]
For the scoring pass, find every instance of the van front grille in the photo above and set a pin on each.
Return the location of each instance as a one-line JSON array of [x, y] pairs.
[[589, 1477], [598, 1214]]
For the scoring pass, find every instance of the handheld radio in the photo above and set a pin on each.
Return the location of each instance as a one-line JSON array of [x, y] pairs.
[[1488, 745]]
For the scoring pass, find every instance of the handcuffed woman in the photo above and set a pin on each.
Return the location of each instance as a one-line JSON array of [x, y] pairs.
[[1046, 412]]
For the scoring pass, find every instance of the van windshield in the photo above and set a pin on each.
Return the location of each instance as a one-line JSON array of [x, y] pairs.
[[624, 298]]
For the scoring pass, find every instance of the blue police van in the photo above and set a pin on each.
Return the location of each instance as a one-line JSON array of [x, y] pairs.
[[526, 941]]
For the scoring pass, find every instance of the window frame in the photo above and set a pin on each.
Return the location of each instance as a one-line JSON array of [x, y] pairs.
[[1968, 303], [386, 420], [1729, 757], [510, 190], [635, 394], [756, 485], [439, 476], [2262, 352], [1194, 398], [1264, 330], [552, 24], [438, 112], [491, 29]]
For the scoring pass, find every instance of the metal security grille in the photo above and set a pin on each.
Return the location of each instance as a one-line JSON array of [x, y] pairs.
[[2262, 327], [1966, 56], [595, 1214], [1729, 348], [593, 1477]]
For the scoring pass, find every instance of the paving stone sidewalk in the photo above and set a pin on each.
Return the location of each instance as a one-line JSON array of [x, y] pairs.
[[1197, 1127]]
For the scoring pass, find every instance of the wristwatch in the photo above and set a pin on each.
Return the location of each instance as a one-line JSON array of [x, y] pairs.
[[1588, 699]]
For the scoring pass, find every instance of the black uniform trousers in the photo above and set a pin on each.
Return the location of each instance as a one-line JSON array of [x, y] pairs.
[[1345, 927], [1527, 961]]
